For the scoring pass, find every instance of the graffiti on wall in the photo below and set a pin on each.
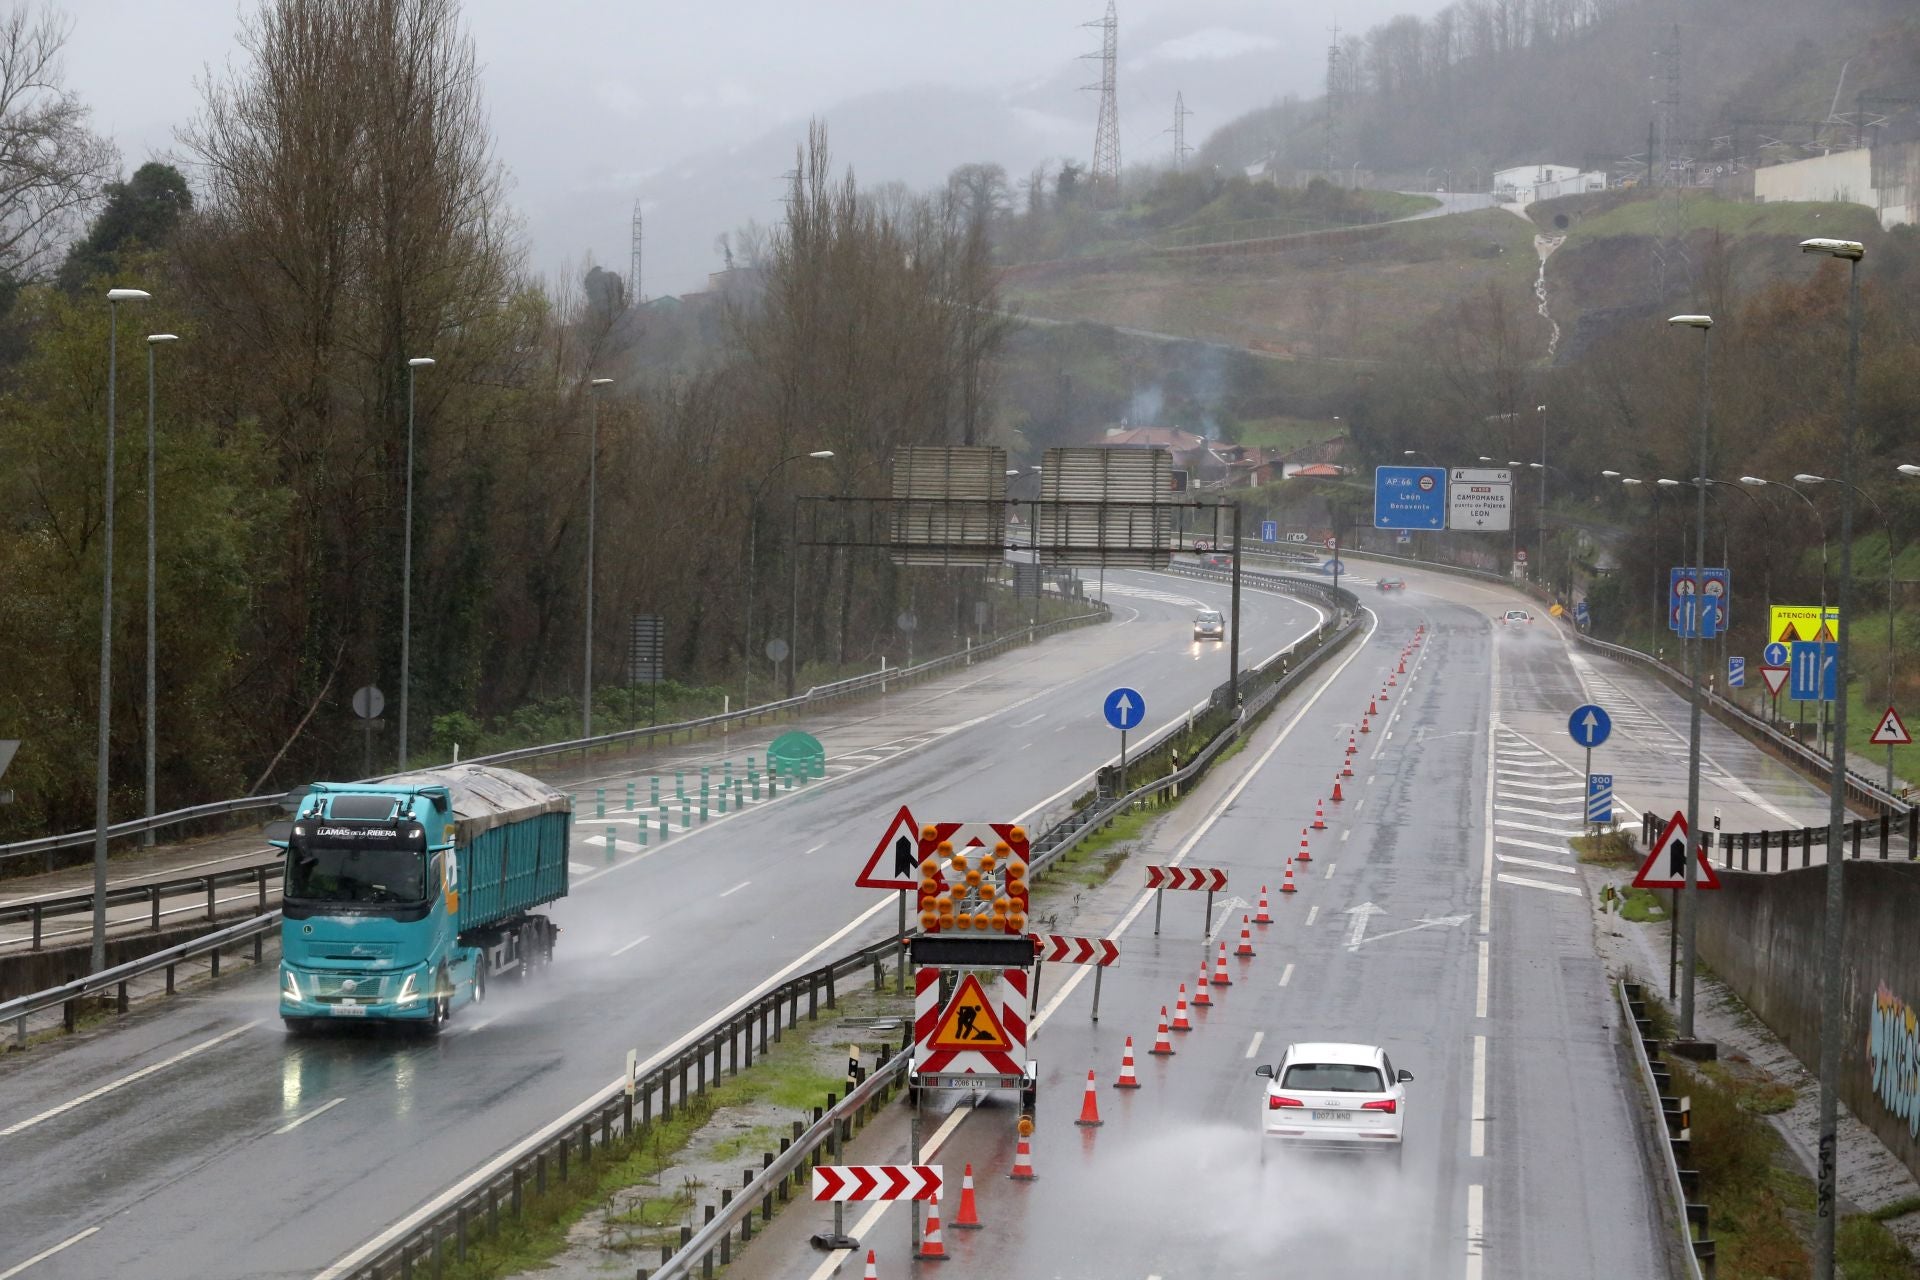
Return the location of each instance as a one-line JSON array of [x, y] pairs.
[[1893, 1047]]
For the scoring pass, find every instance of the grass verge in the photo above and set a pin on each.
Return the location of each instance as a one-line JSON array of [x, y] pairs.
[[1644, 906], [1095, 859], [1608, 849]]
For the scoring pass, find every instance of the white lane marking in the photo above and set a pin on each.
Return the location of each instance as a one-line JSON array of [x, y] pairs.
[[1475, 1214], [871, 1218], [1312, 912], [1359, 806], [481, 1025], [1480, 987], [1253, 1046], [1536, 864], [1534, 826], [1286, 975], [44, 1254], [1518, 843], [1344, 835], [1539, 884], [817, 848], [1024, 723], [1562, 814], [1546, 768], [324, 1107], [1528, 784], [579, 868], [1330, 867], [1477, 1142], [1486, 858], [625, 947], [125, 1080], [737, 888], [1080, 971]]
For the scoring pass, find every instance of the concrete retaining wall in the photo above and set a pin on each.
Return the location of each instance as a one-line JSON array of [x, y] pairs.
[[1762, 934], [22, 973]]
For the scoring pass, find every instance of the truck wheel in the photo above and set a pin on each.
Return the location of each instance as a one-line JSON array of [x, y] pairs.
[[442, 1002], [480, 979]]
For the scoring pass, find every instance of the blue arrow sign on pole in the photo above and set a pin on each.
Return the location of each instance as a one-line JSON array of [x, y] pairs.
[[1125, 708], [1774, 655], [1589, 726], [1600, 798]]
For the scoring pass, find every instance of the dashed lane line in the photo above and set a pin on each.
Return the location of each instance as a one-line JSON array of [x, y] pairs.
[[322, 1109], [129, 1078], [44, 1254]]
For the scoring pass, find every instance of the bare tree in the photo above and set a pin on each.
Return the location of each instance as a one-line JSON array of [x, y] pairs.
[[52, 166]]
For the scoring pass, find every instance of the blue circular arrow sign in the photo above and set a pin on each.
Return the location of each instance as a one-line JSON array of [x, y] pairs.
[[1125, 708], [1589, 725], [1774, 655]]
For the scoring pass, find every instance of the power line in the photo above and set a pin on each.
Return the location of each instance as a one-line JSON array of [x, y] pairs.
[[1106, 134], [634, 296], [1332, 104], [1179, 131]]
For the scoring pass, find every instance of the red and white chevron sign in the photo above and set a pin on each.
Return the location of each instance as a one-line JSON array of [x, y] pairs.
[[1186, 878], [876, 1182], [1060, 948]]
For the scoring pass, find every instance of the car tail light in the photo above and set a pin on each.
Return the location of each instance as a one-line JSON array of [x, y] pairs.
[[1388, 1105], [1275, 1102]]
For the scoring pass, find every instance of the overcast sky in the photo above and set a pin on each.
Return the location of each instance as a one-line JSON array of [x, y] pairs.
[[591, 98]]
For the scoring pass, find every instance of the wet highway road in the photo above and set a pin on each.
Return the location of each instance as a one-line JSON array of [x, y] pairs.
[[1441, 917], [199, 1141]]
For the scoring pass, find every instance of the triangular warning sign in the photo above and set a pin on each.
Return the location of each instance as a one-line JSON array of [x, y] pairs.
[[1666, 864], [1825, 635], [1788, 634], [968, 1022], [895, 863], [1892, 731], [1776, 678]]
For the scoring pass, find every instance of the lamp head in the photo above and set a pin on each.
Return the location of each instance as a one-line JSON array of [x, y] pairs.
[[1908, 469], [1851, 250], [1755, 481], [128, 295], [600, 382], [419, 362], [153, 338], [1611, 475], [1691, 322], [1630, 480], [1665, 483], [821, 453], [1807, 478]]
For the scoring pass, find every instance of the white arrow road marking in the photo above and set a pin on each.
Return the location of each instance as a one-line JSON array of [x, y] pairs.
[[1357, 929], [1426, 922], [1225, 909]]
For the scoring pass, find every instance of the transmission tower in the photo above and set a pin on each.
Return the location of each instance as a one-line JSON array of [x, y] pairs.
[[1669, 109], [1332, 104], [634, 296], [1179, 131], [1106, 135]]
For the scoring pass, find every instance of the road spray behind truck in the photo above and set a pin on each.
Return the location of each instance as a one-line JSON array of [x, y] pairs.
[[402, 898]]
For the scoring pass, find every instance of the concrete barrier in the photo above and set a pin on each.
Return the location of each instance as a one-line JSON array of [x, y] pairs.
[[1762, 934]]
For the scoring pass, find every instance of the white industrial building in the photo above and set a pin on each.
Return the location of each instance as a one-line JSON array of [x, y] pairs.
[[1526, 183]]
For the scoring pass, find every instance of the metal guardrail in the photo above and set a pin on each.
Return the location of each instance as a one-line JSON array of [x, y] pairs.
[[38, 910], [731, 1035], [625, 738], [1682, 1182], [1859, 788], [118, 976], [1783, 840]]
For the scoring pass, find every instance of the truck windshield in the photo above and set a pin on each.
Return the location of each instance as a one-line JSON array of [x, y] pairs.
[[324, 873]]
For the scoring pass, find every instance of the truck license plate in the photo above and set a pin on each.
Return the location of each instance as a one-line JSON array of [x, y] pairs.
[[349, 1010]]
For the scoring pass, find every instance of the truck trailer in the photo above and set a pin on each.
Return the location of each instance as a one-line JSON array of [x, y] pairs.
[[402, 898]]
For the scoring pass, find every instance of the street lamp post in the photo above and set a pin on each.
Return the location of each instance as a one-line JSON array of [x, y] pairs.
[[1825, 1198], [1653, 618], [406, 567], [593, 488], [1689, 926], [101, 776], [153, 340], [753, 532]]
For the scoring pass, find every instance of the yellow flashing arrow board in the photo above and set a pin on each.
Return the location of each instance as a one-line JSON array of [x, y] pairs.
[[1790, 622], [969, 1021]]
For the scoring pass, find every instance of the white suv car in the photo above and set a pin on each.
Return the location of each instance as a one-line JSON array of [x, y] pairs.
[[1344, 1097]]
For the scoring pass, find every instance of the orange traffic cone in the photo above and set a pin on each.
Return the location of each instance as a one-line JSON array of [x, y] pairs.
[[1319, 816], [1392, 683], [1023, 1163], [1402, 670], [1370, 708], [1363, 725], [1346, 768], [1304, 855], [1337, 797], [1221, 978], [969, 1216], [1202, 997], [1261, 916], [1180, 1022], [872, 1272], [1162, 1046], [1246, 938], [1286, 886], [1127, 1080], [1090, 1106], [1352, 750], [931, 1247]]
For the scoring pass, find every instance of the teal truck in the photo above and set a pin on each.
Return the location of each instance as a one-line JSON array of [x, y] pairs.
[[402, 898]]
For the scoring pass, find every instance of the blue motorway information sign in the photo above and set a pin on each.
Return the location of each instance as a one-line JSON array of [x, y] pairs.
[[1599, 798], [1736, 673], [1814, 674], [1269, 531], [1698, 602], [1409, 497]]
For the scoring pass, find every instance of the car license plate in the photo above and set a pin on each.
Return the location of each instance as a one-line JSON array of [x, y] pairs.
[[347, 1009], [1332, 1115]]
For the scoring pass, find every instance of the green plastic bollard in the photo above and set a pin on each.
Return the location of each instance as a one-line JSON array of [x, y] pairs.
[[703, 808], [610, 848], [663, 821], [680, 784], [723, 798], [642, 828], [655, 780], [599, 802], [630, 789]]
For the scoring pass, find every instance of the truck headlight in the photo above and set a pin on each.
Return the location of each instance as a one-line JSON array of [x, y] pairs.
[[408, 990], [290, 986]]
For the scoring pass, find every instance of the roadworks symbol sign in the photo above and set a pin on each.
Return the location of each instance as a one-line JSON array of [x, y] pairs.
[[969, 1022]]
